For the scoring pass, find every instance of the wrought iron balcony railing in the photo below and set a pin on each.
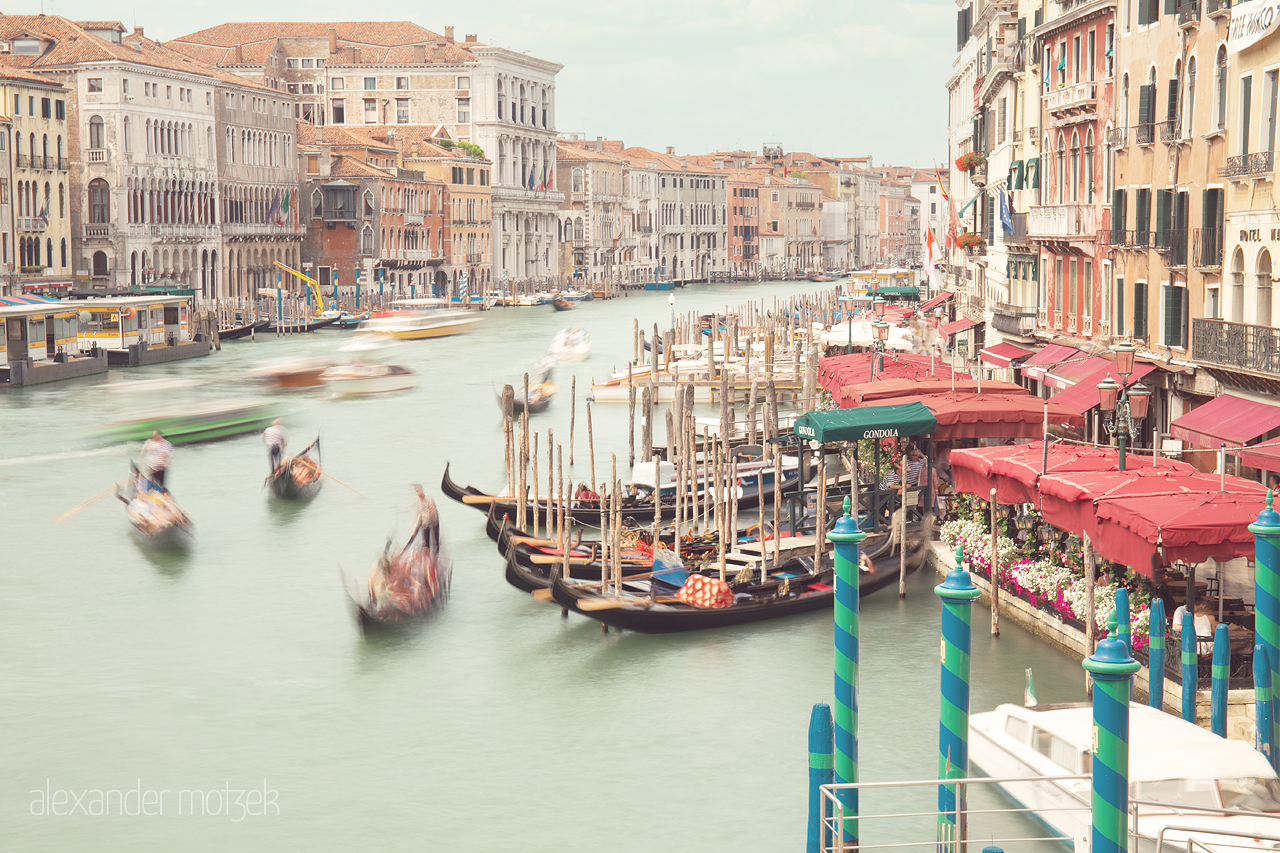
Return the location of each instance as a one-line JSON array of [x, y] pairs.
[[1213, 8], [1240, 346], [1173, 244], [1206, 249], [1241, 165], [1144, 134], [1168, 131], [1188, 13]]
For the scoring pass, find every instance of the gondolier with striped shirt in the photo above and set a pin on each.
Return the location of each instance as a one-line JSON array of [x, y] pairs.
[[156, 453], [275, 437]]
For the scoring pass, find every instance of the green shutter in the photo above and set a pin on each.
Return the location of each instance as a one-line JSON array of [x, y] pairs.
[[1146, 97], [1246, 102], [1170, 306], [1119, 312], [1033, 170]]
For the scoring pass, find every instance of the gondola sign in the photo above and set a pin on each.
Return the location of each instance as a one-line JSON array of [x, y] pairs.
[[1251, 22]]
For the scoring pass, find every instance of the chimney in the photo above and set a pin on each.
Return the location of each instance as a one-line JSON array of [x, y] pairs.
[[684, 164], [355, 56], [420, 54], [137, 31], [239, 55], [448, 34], [599, 143], [333, 40], [471, 38], [671, 149], [326, 160]]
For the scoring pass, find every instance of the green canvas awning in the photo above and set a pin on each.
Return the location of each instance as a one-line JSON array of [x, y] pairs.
[[866, 422], [898, 290]]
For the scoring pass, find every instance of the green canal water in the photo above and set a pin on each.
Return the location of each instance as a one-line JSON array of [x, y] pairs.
[[494, 725]]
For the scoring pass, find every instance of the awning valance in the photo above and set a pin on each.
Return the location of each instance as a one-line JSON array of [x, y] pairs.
[[1083, 396], [1227, 420], [1034, 367], [1004, 355], [866, 422], [958, 326], [936, 301]]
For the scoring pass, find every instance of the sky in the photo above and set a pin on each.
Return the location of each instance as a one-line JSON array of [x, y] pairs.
[[831, 77]]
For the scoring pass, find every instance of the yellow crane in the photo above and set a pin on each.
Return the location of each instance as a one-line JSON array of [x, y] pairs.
[[311, 282]]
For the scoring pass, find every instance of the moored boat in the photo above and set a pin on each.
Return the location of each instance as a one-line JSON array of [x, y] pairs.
[[1170, 761], [297, 477], [242, 330]]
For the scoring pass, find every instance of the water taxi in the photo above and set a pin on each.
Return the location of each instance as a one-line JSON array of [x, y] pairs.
[[417, 319]]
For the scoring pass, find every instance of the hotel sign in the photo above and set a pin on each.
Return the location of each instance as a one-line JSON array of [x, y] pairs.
[[1251, 22]]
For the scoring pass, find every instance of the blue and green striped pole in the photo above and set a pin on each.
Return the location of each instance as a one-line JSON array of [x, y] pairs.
[[1266, 592], [1263, 725], [819, 771], [1156, 627], [846, 536], [1112, 669], [1123, 626], [1218, 686], [1190, 682], [958, 593]]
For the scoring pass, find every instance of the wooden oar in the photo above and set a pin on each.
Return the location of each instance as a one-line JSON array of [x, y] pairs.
[[594, 604], [480, 499], [114, 487], [340, 483]]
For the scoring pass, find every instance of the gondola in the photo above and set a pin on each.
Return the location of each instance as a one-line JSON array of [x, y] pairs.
[[297, 477], [805, 590], [157, 520], [290, 328], [561, 304], [404, 587], [637, 507], [231, 333]]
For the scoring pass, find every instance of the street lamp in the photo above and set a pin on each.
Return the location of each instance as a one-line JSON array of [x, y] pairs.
[[878, 305], [881, 334], [1124, 408]]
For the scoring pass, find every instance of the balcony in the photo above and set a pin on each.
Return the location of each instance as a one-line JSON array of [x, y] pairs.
[[1173, 245], [1238, 346], [1168, 130], [1206, 248], [474, 257], [23, 161], [1217, 8], [97, 232], [1246, 165], [63, 164], [1013, 320], [1072, 100], [1130, 239], [1118, 137], [643, 229], [1062, 221], [1144, 134], [805, 205], [96, 155], [31, 224]]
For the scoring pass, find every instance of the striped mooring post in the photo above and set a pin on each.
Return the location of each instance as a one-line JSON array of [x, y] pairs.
[[1218, 685], [846, 536], [1156, 627], [819, 771], [1190, 683], [1112, 668], [958, 593], [1264, 729], [1266, 594], [1124, 626]]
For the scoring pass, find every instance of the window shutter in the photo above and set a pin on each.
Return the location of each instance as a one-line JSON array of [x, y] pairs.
[[1246, 103], [1170, 306], [1143, 16], [1145, 94], [1170, 7], [1117, 218], [1119, 313], [1184, 315], [1022, 28], [1033, 168], [1172, 113]]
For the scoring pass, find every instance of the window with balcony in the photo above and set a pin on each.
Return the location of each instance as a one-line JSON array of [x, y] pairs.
[[1262, 295], [99, 202], [1236, 307], [1246, 103], [97, 138]]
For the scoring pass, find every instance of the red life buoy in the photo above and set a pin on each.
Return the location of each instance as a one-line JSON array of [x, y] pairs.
[[126, 312]]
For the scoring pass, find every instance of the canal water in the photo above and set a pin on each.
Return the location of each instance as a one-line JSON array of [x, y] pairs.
[[239, 667]]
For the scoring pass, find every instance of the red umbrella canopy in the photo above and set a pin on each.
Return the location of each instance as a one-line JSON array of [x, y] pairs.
[[877, 392], [988, 415], [1069, 500], [1192, 527], [835, 372]]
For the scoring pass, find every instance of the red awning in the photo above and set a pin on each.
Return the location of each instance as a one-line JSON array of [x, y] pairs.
[[990, 415], [881, 391], [936, 301], [1083, 396], [1004, 355], [1227, 420], [958, 326], [1191, 527], [1265, 456], [1063, 376], [1034, 367], [835, 373], [1069, 499]]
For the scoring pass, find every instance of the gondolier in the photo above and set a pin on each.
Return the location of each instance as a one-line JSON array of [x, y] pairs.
[[428, 520], [156, 454], [275, 438]]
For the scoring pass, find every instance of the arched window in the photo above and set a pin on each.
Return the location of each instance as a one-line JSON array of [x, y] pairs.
[[1263, 315], [99, 202], [501, 98], [315, 205], [64, 252], [96, 136], [368, 204], [44, 150], [1075, 166], [366, 241], [133, 269], [1125, 118], [48, 251], [100, 264], [1220, 89], [1062, 169], [577, 229], [577, 180], [1088, 166]]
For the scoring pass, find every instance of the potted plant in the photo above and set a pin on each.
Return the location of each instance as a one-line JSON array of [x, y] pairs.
[[970, 240], [965, 162]]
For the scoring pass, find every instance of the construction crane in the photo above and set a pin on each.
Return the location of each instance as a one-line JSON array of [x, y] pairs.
[[311, 282]]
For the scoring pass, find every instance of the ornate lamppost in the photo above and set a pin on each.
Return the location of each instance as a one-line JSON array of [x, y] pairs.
[[1124, 407]]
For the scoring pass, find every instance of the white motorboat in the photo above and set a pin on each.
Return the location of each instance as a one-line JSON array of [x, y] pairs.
[[355, 380], [418, 319], [292, 372], [1171, 761], [571, 345]]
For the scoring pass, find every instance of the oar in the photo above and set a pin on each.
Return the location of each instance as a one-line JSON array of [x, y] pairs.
[[340, 483], [480, 499], [93, 500], [594, 604]]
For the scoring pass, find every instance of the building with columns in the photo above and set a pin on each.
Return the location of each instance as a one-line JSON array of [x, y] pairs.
[[592, 216]]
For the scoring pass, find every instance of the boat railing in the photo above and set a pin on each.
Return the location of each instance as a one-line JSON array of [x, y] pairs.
[[1248, 839], [988, 819]]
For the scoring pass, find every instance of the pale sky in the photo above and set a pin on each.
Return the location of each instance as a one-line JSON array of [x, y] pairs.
[[833, 77]]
